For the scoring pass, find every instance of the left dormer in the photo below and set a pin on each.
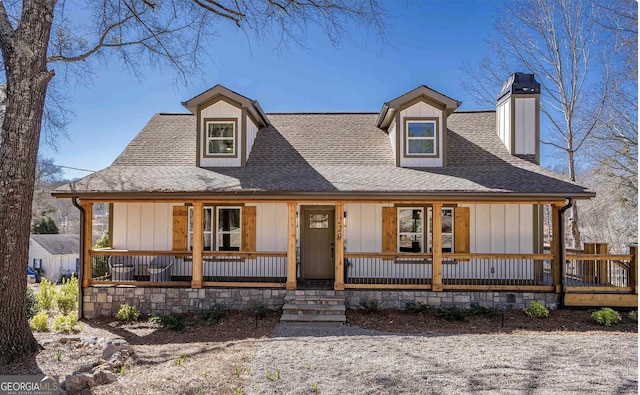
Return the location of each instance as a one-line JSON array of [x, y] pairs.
[[227, 125]]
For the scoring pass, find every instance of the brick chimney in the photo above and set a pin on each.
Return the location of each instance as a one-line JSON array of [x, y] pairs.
[[518, 116]]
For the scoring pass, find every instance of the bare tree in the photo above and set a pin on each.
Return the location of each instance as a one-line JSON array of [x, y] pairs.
[[167, 33], [558, 41]]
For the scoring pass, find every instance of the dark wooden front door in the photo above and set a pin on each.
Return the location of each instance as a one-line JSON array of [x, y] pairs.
[[317, 242]]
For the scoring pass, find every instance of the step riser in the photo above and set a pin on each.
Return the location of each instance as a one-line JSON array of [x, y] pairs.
[[314, 306]]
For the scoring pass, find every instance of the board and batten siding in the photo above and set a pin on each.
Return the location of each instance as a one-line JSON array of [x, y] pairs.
[[503, 122], [271, 227], [142, 226], [525, 129], [221, 110], [421, 110]]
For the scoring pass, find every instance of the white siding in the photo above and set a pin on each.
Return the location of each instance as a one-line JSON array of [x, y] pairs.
[[54, 266], [271, 227], [364, 227], [392, 136], [142, 226], [419, 110], [252, 131], [501, 228], [525, 126], [503, 118], [221, 109]]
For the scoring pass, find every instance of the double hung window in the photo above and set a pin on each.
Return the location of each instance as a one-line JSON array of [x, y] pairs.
[[421, 137], [220, 138], [221, 231], [413, 230]]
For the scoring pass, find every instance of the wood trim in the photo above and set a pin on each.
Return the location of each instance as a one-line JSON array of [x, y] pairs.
[[461, 230], [596, 257], [248, 228], [110, 232], [527, 288], [436, 246], [390, 230], [405, 138], [144, 283], [423, 99], [291, 247], [88, 242], [399, 131], [241, 284], [327, 200], [633, 268], [198, 220], [236, 148], [338, 284], [180, 229], [597, 300], [445, 139], [389, 286], [602, 264], [602, 289]]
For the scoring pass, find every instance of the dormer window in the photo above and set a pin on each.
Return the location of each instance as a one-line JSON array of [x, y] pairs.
[[422, 138], [221, 137]]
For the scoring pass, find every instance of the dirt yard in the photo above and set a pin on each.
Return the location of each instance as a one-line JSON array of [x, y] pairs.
[[387, 352]]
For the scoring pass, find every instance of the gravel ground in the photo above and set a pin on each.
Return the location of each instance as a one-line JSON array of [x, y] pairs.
[[350, 359]]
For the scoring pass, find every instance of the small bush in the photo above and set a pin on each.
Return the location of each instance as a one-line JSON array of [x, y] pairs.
[[173, 322], [260, 309], [418, 307], [369, 306], [451, 313], [606, 316], [66, 303], [477, 309], [32, 303], [633, 315], [65, 322], [536, 310], [46, 295], [40, 322], [70, 286], [214, 314], [127, 313]]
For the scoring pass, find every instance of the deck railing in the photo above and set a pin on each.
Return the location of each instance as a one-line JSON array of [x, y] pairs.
[[599, 272], [175, 268]]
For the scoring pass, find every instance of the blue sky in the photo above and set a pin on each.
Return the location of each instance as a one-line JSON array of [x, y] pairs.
[[428, 42]]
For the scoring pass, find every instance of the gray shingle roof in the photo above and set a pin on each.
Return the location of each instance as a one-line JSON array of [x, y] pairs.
[[59, 244], [323, 153]]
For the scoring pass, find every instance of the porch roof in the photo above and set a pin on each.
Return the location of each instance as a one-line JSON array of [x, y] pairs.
[[335, 154]]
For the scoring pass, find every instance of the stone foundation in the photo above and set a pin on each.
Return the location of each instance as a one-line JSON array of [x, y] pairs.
[[101, 301]]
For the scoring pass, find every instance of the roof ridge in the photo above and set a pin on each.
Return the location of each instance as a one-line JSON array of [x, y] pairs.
[[325, 113], [176, 113]]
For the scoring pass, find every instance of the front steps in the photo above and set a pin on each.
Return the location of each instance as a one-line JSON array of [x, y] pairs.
[[314, 306]]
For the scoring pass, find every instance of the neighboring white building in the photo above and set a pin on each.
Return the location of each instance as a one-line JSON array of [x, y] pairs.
[[56, 255]]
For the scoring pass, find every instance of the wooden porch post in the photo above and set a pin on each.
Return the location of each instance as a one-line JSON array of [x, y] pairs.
[[88, 243], [633, 268], [436, 247], [603, 264], [589, 267], [557, 243], [291, 247], [198, 225], [339, 248]]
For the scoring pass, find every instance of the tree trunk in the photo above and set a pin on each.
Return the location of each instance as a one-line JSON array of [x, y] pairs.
[[24, 52], [573, 218]]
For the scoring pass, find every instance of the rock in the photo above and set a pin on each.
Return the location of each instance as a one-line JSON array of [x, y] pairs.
[[78, 382], [89, 340], [85, 368], [45, 342], [117, 342], [65, 340], [116, 360], [104, 377], [100, 362], [114, 346]]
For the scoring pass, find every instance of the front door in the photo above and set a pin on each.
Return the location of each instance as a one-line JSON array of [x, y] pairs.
[[317, 242]]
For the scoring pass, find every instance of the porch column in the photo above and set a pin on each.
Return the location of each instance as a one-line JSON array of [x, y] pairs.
[[339, 248], [436, 247], [603, 264], [198, 226], [633, 268], [557, 242], [291, 246], [589, 266], [88, 242]]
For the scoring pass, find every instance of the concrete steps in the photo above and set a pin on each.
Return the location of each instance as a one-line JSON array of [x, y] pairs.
[[313, 306]]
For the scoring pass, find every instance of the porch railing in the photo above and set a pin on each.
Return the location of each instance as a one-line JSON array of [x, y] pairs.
[[175, 268], [599, 272]]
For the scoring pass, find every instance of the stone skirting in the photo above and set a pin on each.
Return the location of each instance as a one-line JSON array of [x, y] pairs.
[[105, 301], [503, 299], [100, 301]]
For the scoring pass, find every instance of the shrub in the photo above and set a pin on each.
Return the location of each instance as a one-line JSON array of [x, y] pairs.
[[32, 303], [536, 310], [260, 309], [40, 322], [369, 306], [418, 307], [633, 315], [173, 322], [606, 316], [66, 303], [65, 322], [46, 295], [70, 286], [214, 314], [451, 313], [477, 309], [127, 313]]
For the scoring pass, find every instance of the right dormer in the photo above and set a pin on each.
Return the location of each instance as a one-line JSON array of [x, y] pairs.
[[416, 123], [518, 116]]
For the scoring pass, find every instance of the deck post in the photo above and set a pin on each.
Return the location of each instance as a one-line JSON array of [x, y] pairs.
[[589, 267], [338, 284], [88, 243], [633, 268], [198, 225], [436, 247], [557, 242], [291, 247], [603, 264]]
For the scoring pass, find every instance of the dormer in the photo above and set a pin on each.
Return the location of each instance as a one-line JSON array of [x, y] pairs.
[[226, 128], [416, 123]]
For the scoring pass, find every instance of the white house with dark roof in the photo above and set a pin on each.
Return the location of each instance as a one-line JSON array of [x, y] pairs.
[[231, 203], [56, 255]]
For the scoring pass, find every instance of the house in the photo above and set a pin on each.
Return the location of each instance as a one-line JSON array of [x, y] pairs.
[[57, 255], [416, 202]]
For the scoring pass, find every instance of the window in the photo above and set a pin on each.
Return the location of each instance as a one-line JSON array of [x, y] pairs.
[[421, 138], [411, 229], [220, 137], [227, 235]]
